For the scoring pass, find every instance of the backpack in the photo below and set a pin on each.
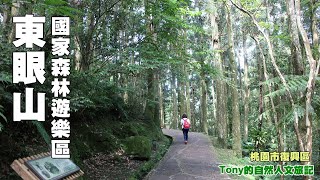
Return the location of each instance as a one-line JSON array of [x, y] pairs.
[[186, 124]]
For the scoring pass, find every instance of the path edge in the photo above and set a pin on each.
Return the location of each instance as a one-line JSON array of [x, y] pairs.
[[147, 177]]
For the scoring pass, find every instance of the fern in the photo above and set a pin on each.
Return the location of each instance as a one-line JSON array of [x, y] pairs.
[[3, 117], [289, 117], [316, 100], [1, 113], [296, 85]]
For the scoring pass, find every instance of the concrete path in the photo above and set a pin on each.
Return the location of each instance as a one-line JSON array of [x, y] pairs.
[[192, 161]]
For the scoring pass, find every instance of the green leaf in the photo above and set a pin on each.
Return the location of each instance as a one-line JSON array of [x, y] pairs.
[[265, 24], [69, 11], [3, 117], [55, 2]]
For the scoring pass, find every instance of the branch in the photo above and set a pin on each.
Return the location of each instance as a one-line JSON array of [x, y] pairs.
[[241, 9], [274, 63]]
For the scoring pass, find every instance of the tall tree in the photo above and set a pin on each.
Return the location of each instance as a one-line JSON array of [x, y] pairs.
[[274, 112], [306, 144], [236, 133], [296, 55], [203, 101], [175, 103], [246, 89], [151, 36], [161, 104], [15, 8], [187, 91], [192, 107], [181, 92], [313, 5], [220, 84]]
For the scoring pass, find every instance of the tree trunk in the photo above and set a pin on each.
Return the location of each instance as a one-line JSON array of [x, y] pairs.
[[192, 108], [295, 41], [304, 145], [152, 86], [188, 108], [6, 21], [274, 112], [214, 107], [150, 105], [156, 115], [6, 15], [76, 37], [276, 67], [315, 45], [181, 95], [161, 109], [315, 36], [174, 124], [236, 133], [125, 84], [220, 85], [260, 104], [77, 53], [246, 91], [314, 69], [14, 12], [203, 99]]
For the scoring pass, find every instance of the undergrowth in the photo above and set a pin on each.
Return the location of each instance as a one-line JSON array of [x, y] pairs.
[[160, 148]]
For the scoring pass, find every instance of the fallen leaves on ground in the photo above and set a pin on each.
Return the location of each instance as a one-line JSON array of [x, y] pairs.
[[111, 166]]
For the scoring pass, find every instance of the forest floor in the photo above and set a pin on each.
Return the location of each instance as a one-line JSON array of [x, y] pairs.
[[111, 166], [118, 165], [196, 160]]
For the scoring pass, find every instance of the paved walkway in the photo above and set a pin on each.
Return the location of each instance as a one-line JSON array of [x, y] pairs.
[[192, 161]]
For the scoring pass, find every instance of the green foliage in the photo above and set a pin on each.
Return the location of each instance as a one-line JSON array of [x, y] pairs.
[[296, 84], [55, 2], [264, 24], [260, 136], [93, 96], [57, 8], [5, 98], [289, 117], [247, 147], [282, 37], [2, 116], [5, 78]]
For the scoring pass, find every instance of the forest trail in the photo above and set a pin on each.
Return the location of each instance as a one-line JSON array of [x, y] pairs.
[[192, 161]]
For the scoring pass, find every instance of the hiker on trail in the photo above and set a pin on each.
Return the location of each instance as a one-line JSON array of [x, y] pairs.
[[185, 123]]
